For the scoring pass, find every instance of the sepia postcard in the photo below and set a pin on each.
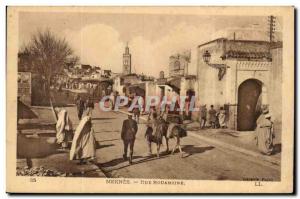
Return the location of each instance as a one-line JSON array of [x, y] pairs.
[[150, 99]]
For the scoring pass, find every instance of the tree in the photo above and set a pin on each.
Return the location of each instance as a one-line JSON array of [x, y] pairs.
[[49, 55]]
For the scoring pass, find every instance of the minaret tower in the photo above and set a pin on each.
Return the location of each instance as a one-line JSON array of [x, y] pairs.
[[126, 61]]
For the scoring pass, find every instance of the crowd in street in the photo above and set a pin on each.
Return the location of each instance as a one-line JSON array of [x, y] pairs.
[[83, 105], [83, 145], [83, 140], [264, 126], [215, 119]]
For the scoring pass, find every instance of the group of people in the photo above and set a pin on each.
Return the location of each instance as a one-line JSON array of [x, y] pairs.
[[156, 129], [214, 118], [264, 126], [84, 106], [128, 134], [83, 147]]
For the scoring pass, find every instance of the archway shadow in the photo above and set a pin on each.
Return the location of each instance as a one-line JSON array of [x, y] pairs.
[[191, 149]]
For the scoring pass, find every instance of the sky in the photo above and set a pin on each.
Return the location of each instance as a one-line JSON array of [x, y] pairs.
[[99, 39]]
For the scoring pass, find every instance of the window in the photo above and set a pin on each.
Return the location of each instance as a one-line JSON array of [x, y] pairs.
[[176, 65]]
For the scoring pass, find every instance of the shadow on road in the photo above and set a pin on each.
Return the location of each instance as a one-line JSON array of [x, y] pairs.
[[142, 122], [150, 158], [228, 133], [191, 149], [106, 122], [109, 140], [193, 128], [222, 177], [277, 149], [115, 162], [35, 147], [105, 131], [38, 126], [104, 118], [24, 111], [120, 160], [100, 146]]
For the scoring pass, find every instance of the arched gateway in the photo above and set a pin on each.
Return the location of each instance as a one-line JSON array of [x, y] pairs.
[[249, 100]]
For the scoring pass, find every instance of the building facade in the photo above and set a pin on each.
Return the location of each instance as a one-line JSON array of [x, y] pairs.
[[121, 83], [178, 64], [238, 77]]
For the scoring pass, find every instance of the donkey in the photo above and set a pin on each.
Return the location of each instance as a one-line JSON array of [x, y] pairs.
[[167, 130], [160, 132], [176, 132]]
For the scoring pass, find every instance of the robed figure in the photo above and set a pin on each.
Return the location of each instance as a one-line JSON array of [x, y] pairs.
[[265, 134], [84, 143]]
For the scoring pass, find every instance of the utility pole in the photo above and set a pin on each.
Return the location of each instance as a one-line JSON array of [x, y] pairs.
[[271, 31]]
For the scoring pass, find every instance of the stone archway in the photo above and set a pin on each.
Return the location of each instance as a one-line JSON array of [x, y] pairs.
[[249, 100]]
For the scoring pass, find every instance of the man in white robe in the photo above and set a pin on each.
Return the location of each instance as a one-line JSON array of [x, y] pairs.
[[63, 128], [84, 143]]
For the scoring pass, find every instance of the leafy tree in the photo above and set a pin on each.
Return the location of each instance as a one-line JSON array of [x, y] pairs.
[[48, 55]]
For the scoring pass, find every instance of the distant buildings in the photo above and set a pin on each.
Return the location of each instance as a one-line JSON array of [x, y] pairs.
[[239, 75], [179, 82]]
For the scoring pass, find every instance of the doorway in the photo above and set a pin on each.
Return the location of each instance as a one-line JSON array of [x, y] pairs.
[[248, 99]]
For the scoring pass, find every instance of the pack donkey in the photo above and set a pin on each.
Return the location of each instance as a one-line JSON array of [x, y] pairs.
[[172, 130]]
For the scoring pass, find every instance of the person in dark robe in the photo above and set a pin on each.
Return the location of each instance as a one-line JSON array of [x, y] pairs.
[[203, 116], [128, 133], [151, 128], [212, 114], [137, 110], [89, 106], [80, 107]]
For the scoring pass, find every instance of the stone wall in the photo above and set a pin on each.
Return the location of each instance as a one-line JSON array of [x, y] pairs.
[[117, 86], [275, 99], [210, 89]]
